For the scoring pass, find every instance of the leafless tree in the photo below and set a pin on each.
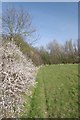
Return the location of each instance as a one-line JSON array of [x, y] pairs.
[[17, 22]]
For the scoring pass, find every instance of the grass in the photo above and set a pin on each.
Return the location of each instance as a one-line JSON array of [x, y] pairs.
[[56, 94]]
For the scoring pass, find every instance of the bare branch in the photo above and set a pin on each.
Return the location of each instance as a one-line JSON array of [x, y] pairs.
[[17, 22]]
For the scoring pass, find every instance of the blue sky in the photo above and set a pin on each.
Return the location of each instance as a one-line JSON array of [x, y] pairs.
[[52, 20], [0, 17]]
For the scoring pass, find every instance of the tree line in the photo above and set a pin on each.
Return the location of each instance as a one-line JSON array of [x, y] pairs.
[[17, 24], [55, 53]]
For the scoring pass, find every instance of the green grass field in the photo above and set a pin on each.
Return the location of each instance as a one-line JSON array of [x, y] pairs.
[[56, 93]]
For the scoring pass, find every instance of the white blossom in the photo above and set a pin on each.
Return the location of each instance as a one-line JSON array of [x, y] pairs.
[[17, 74]]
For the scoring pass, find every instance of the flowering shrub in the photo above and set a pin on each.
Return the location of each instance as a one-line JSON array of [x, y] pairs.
[[17, 74]]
